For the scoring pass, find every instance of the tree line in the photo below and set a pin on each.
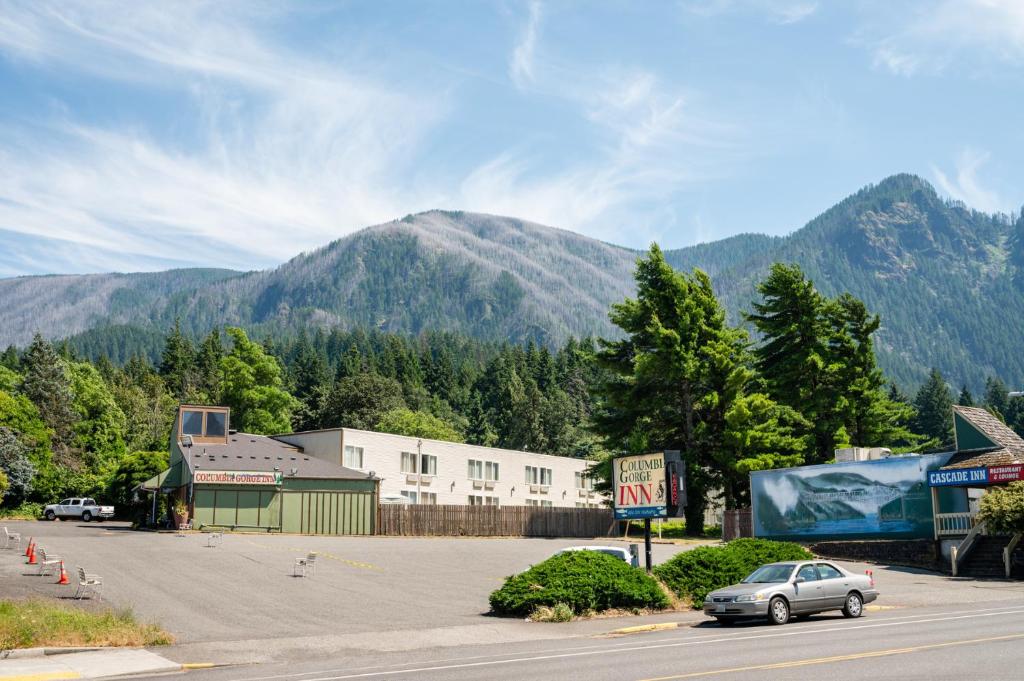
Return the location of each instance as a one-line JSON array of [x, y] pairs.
[[678, 377]]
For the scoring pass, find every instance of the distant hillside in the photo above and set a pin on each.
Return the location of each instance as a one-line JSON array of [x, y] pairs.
[[948, 282]]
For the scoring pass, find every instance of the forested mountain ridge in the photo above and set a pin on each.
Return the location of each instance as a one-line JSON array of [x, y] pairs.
[[947, 281]]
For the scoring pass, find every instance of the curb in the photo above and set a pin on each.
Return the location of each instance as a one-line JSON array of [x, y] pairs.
[[640, 628], [28, 653]]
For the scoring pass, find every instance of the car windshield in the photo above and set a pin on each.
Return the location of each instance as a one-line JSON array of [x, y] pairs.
[[769, 574]]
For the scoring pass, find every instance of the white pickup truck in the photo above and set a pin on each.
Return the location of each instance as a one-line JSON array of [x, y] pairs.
[[83, 508]]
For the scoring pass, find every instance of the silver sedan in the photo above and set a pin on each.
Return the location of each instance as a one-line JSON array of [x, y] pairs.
[[778, 591]]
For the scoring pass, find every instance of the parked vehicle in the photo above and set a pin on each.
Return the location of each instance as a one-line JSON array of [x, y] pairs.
[[778, 591], [616, 551], [83, 508]]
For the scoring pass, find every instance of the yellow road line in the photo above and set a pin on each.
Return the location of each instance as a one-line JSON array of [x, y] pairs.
[[836, 658], [320, 554], [46, 676]]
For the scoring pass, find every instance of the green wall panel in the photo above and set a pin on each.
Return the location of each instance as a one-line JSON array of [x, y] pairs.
[[225, 512], [203, 511], [249, 507]]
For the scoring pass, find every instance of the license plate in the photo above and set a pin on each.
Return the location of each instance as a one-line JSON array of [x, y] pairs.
[[720, 607]]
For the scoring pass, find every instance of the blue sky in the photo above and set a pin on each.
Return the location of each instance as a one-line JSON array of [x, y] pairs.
[[141, 136]]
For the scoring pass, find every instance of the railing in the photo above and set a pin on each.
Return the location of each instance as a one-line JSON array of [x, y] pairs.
[[1008, 554], [958, 554], [954, 524]]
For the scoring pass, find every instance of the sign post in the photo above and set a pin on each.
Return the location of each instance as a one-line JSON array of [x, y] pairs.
[[648, 486]]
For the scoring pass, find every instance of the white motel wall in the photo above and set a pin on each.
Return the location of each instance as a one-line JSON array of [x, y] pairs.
[[436, 472]]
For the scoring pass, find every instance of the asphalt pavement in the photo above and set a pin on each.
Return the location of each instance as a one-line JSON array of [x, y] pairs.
[[930, 644]]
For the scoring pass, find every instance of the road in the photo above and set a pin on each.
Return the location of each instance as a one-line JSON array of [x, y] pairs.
[[959, 642]]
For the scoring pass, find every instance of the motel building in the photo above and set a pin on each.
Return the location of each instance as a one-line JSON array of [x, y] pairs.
[[987, 453], [332, 481]]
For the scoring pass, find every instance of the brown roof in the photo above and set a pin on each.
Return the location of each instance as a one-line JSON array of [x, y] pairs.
[[246, 452], [1009, 449]]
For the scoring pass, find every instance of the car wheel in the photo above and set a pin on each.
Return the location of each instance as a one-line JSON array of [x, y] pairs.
[[51, 516], [725, 621], [854, 606], [86, 517], [778, 611]]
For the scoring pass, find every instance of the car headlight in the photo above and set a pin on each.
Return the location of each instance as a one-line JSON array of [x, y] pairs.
[[759, 596]]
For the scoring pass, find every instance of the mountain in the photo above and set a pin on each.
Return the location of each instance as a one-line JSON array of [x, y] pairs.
[[948, 282]]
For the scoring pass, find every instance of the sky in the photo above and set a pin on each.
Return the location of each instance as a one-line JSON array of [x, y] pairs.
[[148, 135]]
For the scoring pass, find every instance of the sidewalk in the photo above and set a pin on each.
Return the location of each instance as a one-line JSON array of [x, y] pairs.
[[93, 664]]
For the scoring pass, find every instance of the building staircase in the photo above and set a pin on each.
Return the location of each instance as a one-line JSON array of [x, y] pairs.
[[986, 558]]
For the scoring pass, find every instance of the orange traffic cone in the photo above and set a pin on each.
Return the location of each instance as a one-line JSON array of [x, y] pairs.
[[32, 556], [28, 549], [63, 575]]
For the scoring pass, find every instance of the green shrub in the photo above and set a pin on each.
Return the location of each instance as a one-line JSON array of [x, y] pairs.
[[24, 511], [694, 574], [581, 580], [1002, 508]]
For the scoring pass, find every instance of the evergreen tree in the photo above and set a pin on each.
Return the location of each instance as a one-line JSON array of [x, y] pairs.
[[966, 399], [934, 405], [797, 357], [360, 401], [997, 397], [46, 384], [178, 365], [9, 359], [211, 352], [16, 468]]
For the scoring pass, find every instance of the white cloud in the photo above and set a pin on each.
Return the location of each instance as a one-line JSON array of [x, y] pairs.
[[521, 65], [289, 152], [966, 186], [934, 39]]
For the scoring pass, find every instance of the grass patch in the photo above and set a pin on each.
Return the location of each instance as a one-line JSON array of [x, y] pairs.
[[694, 574], [579, 581], [36, 623], [559, 612]]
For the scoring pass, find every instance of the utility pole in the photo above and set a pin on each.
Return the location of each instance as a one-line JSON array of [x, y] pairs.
[[419, 471]]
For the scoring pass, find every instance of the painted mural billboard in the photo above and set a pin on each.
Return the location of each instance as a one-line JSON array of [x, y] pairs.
[[883, 499]]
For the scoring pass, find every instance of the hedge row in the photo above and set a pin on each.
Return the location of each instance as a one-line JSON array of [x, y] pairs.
[[694, 574]]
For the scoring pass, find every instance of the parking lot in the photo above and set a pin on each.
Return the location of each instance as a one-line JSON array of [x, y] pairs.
[[385, 593]]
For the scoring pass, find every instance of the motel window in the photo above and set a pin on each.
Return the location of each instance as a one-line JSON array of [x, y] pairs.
[[428, 498], [216, 422], [583, 481], [192, 422], [483, 470], [539, 502], [538, 476], [353, 457], [411, 496], [426, 464], [477, 500]]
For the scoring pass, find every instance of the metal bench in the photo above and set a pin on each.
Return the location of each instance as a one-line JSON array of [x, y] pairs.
[[47, 561], [302, 565], [87, 584], [11, 538]]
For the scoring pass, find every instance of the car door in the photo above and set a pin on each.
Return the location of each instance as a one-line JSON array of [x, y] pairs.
[[63, 508], [807, 590], [835, 585], [75, 509]]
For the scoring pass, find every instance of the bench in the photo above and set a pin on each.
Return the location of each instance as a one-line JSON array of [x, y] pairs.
[[215, 539], [87, 584]]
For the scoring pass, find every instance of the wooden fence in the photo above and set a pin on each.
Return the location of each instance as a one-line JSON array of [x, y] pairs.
[[737, 523], [492, 521]]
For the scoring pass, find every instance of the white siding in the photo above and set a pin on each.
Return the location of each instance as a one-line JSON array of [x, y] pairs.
[[382, 454]]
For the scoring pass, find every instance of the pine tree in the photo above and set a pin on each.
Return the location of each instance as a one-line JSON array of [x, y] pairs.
[[9, 358], [178, 364], [48, 386], [797, 356], [934, 405], [997, 397], [966, 399], [208, 367]]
